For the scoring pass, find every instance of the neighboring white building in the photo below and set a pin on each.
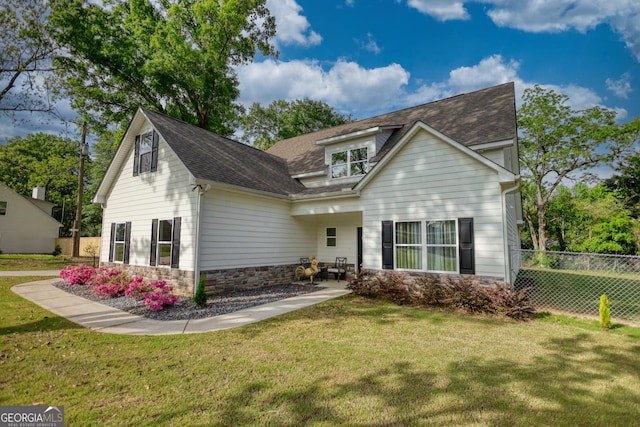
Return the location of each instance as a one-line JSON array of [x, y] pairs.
[[427, 189], [26, 224]]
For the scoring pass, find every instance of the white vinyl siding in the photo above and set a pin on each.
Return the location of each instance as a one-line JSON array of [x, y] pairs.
[[346, 240], [244, 230], [429, 179], [140, 199]]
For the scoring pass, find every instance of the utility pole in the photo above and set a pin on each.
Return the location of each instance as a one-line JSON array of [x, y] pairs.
[[84, 150]]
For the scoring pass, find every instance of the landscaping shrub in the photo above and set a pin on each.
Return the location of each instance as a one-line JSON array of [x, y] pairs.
[[77, 275], [200, 297], [605, 312], [109, 282], [154, 294], [456, 293]]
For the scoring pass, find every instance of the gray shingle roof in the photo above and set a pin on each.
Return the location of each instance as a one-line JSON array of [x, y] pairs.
[[474, 118], [215, 158]]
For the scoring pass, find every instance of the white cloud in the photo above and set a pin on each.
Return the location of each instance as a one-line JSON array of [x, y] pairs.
[[291, 26], [490, 71], [442, 10], [346, 86], [370, 44], [548, 16], [621, 87]]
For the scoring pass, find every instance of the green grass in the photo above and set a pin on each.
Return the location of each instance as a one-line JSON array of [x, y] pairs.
[[579, 292], [15, 262], [349, 361]]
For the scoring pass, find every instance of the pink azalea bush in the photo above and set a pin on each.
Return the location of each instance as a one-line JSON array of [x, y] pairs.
[[111, 282], [155, 294], [77, 275]]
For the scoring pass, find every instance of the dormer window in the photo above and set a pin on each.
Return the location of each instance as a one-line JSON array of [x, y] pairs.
[[353, 162], [146, 153]]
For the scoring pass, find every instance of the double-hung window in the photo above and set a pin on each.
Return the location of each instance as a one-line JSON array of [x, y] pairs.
[[332, 236], [409, 245], [145, 153], [442, 246], [353, 162], [3, 208], [165, 242], [165, 228], [119, 243], [430, 244]]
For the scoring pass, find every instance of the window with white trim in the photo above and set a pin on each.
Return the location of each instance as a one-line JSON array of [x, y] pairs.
[[409, 245], [332, 236], [146, 149], [432, 244], [165, 232], [353, 162], [119, 242], [442, 246]]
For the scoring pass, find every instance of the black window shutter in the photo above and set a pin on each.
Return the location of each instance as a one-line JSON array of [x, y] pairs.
[[175, 243], [154, 152], [387, 245], [465, 235], [112, 240], [136, 156], [154, 242], [127, 242]]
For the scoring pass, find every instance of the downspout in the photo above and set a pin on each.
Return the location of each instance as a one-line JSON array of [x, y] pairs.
[[505, 230], [196, 262]]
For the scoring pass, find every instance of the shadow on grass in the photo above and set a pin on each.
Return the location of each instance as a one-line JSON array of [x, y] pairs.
[[561, 388], [46, 324]]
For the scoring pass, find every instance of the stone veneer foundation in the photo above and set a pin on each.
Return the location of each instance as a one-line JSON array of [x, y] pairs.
[[181, 280], [236, 279]]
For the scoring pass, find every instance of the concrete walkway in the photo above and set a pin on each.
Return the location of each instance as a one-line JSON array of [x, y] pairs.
[[102, 318]]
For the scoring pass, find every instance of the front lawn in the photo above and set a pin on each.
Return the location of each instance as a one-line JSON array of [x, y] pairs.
[[349, 361], [15, 262]]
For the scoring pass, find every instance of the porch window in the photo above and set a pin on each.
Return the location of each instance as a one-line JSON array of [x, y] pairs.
[[3, 208], [352, 162], [332, 237]]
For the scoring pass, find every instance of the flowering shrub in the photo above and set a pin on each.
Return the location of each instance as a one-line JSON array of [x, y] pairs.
[[109, 282], [77, 275], [154, 294]]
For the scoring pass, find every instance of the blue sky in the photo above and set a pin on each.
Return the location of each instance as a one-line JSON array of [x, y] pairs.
[[366, 57]]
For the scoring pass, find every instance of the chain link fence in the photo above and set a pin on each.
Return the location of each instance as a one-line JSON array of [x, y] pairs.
[[572, 283]]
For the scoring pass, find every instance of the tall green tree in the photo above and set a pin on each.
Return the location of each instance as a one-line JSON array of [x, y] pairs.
[[25, 54], [173, 56], [627, 183], [556, 143], [264, 126]]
